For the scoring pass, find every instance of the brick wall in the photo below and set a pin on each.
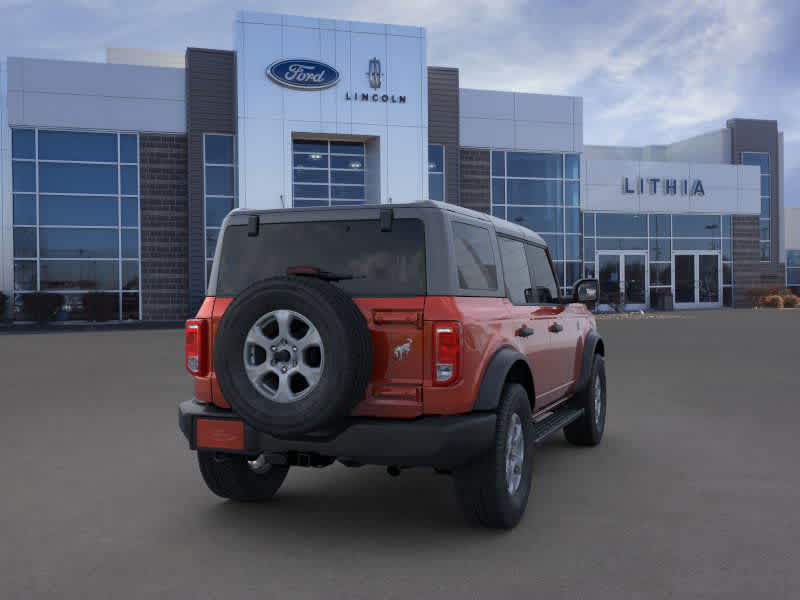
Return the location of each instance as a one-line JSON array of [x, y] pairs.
[[443, 124], [748, 271], [475, 180], [165, 227]]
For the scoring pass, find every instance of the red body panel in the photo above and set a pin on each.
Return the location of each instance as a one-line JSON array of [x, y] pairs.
[[219, 434], [401, 385]]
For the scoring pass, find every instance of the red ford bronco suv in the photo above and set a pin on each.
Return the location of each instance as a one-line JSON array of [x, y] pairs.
[[409, 335]]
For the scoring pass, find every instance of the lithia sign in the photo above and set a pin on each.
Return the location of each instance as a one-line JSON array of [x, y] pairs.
[[306, 74], [667, 186]]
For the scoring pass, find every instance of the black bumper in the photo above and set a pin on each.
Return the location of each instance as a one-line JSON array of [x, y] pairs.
[[434, 441]]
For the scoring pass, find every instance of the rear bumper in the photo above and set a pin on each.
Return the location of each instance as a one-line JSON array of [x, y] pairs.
[[434, 441]]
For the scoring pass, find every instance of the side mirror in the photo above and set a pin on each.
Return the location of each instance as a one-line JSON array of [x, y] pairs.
[[585, 291]]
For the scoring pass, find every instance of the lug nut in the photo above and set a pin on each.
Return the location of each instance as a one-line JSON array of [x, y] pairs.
[[283, 369], [294, 348], [274, 348]]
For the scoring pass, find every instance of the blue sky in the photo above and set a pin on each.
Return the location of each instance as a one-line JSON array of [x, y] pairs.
[[649, 72]]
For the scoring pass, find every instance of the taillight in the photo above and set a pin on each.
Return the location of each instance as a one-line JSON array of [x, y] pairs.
[[446, 353], [196, 346]]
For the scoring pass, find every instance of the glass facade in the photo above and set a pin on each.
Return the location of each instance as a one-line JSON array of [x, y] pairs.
[[436, 172], [659, 235], [793, 268], [541, 191], [219, 167], [76, 219], [327, 173], [761, 160]]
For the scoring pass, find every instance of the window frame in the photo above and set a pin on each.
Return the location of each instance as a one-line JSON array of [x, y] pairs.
[[208, 261], [494, 248], [117, 196]]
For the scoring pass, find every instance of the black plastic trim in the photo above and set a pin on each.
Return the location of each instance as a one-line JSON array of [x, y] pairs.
[[435, 441], [495, 376], [589, 350]]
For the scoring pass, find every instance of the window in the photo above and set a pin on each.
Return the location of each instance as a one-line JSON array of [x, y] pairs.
[[515, 270], [660, 234], [76, 218], [545, 286], [436, 172], [793, 268], [761, 160], [327, 173], [541, 191], [219, 160], [474, 257], [382, 262]]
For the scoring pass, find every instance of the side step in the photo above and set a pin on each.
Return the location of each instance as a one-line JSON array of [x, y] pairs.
[[558, 420]]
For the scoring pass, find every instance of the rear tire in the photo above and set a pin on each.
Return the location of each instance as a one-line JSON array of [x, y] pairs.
[[488, 491], [230, 476], [588, 430]]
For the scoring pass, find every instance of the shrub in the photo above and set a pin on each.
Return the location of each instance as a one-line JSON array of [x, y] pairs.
[[41, 306], [100, 306], [790, 301], [773, 301]]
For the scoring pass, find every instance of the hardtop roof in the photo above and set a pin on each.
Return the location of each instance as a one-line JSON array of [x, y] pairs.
[[500, 225]]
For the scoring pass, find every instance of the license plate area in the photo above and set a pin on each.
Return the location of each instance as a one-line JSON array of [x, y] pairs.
[[219, 434]]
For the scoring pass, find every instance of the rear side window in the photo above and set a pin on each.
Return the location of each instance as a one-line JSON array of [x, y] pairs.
[[545, 288], [382, 263], [474, 258], [515, 270]]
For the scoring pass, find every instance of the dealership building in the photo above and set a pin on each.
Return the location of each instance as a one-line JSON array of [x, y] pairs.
[[115, 176]]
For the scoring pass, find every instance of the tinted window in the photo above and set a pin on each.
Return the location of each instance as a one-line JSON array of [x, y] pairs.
[[573, 162], [532, 191], [128, 152], [219, 149], [660, 226], [22, 143], [435, 158], [529, 164], [73, 145], [23, 176], [545, 288], [515, 270], [219, 181], [78, 210], [498, 163], [25, 242], [389, 263], [625, 225], [129, 184], [216, 210], [77, 179], [58, 242], [130, 212], [539, 219], [80, 275], [696, 225], [498, 191], [474, 257], [24, 209]]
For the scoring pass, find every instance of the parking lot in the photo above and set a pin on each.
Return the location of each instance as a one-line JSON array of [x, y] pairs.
[[693, 493]]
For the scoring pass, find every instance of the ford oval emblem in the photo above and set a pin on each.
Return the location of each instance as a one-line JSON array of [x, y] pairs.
[[303, 74]]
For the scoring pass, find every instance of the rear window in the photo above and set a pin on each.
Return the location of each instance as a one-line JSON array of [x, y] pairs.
[[384, 263]]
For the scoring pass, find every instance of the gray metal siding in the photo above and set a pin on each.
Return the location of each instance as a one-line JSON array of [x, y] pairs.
[[475, 179], [210, 108], [443, 120], [753, 135]]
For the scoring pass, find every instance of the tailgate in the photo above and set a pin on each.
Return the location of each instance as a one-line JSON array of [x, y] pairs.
[[395, 387]]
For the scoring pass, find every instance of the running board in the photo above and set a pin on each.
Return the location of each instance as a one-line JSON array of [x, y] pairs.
[[558, 420]]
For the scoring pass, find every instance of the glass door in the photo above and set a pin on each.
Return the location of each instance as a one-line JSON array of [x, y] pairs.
[[623, 280], [697, 279]]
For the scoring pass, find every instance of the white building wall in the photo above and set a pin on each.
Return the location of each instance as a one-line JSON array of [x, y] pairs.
[[490, 119], [269, 114], [729, 189], [81, 95], [147, 58], [713, 147], [791, 228]]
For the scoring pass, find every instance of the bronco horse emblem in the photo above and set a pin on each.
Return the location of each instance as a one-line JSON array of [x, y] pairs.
[[401, 351]]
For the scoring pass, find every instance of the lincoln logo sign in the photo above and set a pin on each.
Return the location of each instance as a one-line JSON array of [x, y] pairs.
[[302, 74], [667, 186]]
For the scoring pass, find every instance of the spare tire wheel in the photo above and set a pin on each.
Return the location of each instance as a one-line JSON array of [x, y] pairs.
[[292, 355]]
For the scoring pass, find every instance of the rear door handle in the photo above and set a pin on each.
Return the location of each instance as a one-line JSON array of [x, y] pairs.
[[524, 331], [555, 328]]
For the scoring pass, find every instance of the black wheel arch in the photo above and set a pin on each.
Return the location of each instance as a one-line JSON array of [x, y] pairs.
[[593, 345], [507, 365]]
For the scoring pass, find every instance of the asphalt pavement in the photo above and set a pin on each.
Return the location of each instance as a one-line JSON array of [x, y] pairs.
[[694, 492]]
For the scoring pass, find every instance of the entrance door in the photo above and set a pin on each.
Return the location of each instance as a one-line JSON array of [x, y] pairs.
[[623, 280], [697, 279]]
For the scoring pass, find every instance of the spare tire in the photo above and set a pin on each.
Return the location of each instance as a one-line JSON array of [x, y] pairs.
[[293, 355]]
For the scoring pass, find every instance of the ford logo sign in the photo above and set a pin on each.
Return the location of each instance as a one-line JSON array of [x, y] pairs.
[[303, 74]]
